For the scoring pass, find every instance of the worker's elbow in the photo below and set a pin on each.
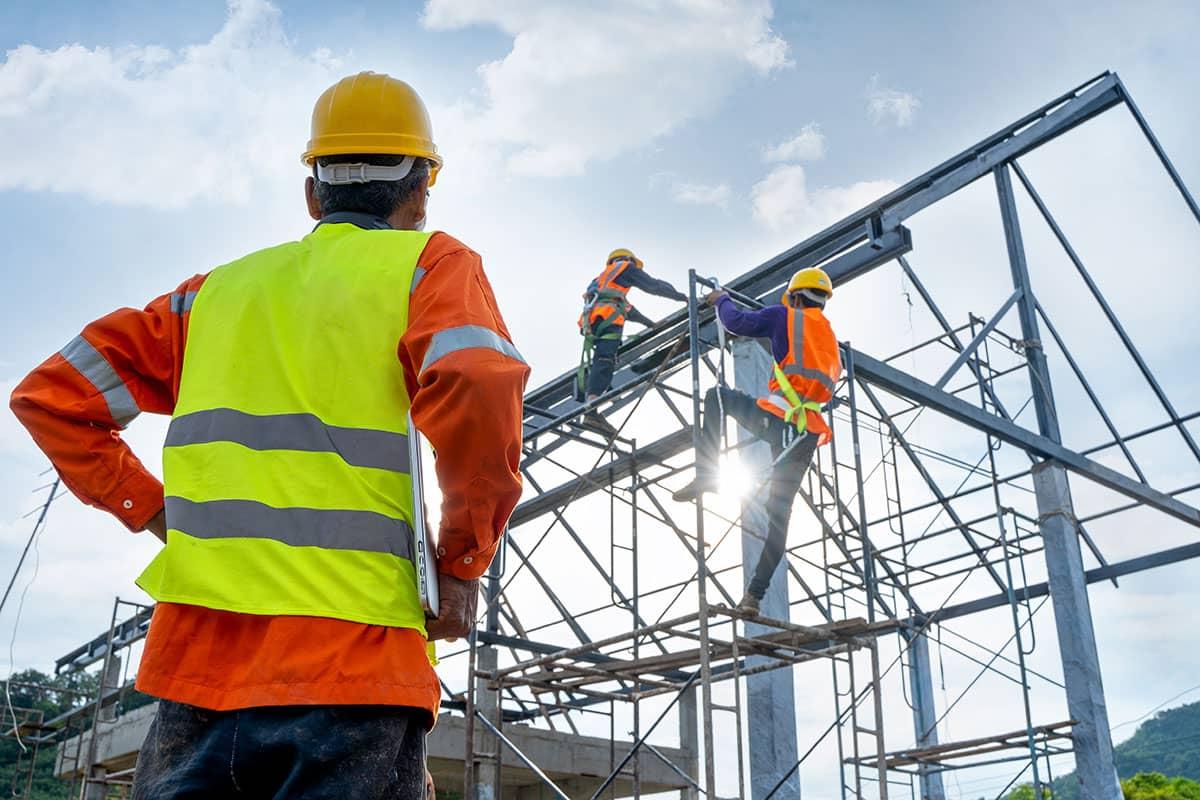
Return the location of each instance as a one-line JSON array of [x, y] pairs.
[[18, 400]]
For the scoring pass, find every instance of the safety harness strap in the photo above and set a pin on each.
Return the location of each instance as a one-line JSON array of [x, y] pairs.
[[795, 415]]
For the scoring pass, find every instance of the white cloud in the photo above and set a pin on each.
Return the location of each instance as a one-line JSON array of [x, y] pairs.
[[783, 200], [145, 125], [807, 145], [587, 82], [885, 105], [702, 194]]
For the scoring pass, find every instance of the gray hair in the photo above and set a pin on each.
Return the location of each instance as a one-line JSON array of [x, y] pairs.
[[380, 198]]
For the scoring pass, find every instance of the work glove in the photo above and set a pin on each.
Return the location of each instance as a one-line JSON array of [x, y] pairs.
[[457, 601]]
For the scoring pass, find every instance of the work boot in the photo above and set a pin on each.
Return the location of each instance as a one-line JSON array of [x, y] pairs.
[[596, 422], [749, 604], [693, 490]]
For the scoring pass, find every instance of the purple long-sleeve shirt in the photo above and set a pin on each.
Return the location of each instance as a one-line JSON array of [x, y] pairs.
[[766, 323]]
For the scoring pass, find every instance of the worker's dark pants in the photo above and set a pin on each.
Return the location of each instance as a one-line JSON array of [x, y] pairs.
[[785, 476], [311, 752], [604, 363]]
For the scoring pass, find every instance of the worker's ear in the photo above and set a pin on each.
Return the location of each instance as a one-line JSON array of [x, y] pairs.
[[421, 203], [310, 197]]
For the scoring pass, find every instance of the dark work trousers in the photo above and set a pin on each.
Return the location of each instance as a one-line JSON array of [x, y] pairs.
[[284, 753], [604, 363], [786, 476]]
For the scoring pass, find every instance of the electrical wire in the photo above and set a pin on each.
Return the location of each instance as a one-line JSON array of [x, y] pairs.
[[1156, 708], [38, 527]]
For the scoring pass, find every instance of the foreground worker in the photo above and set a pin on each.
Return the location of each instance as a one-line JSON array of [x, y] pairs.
[[289, 643], [602, 323], [807, 367]]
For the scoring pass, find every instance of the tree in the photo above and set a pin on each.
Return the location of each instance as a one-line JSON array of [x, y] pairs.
[[1156, 786]]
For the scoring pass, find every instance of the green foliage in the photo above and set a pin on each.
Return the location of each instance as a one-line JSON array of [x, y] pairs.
[[1168, 744], [1156, 786], [31, 689], [1025, 792]]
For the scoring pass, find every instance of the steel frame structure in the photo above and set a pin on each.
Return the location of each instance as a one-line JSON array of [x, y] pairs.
[[873, 582], [901, 533]]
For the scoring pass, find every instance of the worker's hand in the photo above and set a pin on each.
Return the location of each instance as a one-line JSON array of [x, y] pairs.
[[457, 601], [158, 525], [430, 790], [713, 297]]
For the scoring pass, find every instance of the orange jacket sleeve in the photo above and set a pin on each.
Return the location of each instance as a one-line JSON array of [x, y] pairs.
[[466, 381], [76, 403]]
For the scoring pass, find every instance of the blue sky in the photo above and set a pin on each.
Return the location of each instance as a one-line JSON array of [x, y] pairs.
[[145, 142]]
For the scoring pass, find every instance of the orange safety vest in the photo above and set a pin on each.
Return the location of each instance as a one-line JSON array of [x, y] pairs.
[[806, 377], [607, 302]]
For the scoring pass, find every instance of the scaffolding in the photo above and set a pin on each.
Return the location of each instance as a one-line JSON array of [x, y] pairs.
[[904, 533], [611, 609]]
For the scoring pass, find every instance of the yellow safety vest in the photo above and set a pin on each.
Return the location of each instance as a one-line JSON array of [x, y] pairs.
[[286, 464]]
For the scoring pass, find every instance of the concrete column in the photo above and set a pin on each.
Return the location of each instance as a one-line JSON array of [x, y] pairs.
[[486, 744], [689, 741], [771, 696], [1095, 766], [487, 701], [110, 680], [920, 677]]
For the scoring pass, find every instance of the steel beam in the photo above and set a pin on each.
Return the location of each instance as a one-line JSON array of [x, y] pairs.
[[904, 385], [886, 214], [1131, 566]]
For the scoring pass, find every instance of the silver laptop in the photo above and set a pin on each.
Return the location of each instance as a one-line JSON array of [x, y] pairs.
[[423, 557]]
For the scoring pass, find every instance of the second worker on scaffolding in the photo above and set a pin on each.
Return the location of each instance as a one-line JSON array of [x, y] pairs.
[[807, 367]]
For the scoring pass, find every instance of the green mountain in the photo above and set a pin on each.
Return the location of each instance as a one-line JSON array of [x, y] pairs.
[[1169, 744]]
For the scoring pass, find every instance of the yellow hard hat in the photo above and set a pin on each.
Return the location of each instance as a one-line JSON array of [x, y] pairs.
[[370, 113], [621, 252], [810, 278]]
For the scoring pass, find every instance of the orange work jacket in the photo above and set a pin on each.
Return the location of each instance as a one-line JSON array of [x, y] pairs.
[[811, 367], [607, 298]]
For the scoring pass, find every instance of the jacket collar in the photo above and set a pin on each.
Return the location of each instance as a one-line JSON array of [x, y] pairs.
[[368, 222]]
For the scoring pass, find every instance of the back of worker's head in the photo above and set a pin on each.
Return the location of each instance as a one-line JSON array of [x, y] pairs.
[[810, 287], [342, 191], [808, 298], [371, 149]]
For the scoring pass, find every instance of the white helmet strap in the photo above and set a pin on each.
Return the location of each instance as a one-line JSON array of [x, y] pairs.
[[814, 296], [342, 174]]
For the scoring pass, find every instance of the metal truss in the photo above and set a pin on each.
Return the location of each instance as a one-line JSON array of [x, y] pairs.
[[611, 607], [894, 548]]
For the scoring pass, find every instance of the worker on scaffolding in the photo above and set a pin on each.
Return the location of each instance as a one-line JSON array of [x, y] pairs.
[[289, 646], [606, 308], [807, 367]]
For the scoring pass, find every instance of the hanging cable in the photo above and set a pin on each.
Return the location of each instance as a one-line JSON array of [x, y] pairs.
[[38, 526]]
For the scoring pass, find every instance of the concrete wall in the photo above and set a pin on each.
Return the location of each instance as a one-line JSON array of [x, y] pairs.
[[575, 763]]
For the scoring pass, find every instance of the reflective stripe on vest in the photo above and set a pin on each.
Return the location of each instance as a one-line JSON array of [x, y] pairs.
[[610, 302], [795, 403], [286, 463], [355, 446]]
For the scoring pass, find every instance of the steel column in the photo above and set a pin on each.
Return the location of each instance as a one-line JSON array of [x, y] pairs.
[[1094, 764]]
